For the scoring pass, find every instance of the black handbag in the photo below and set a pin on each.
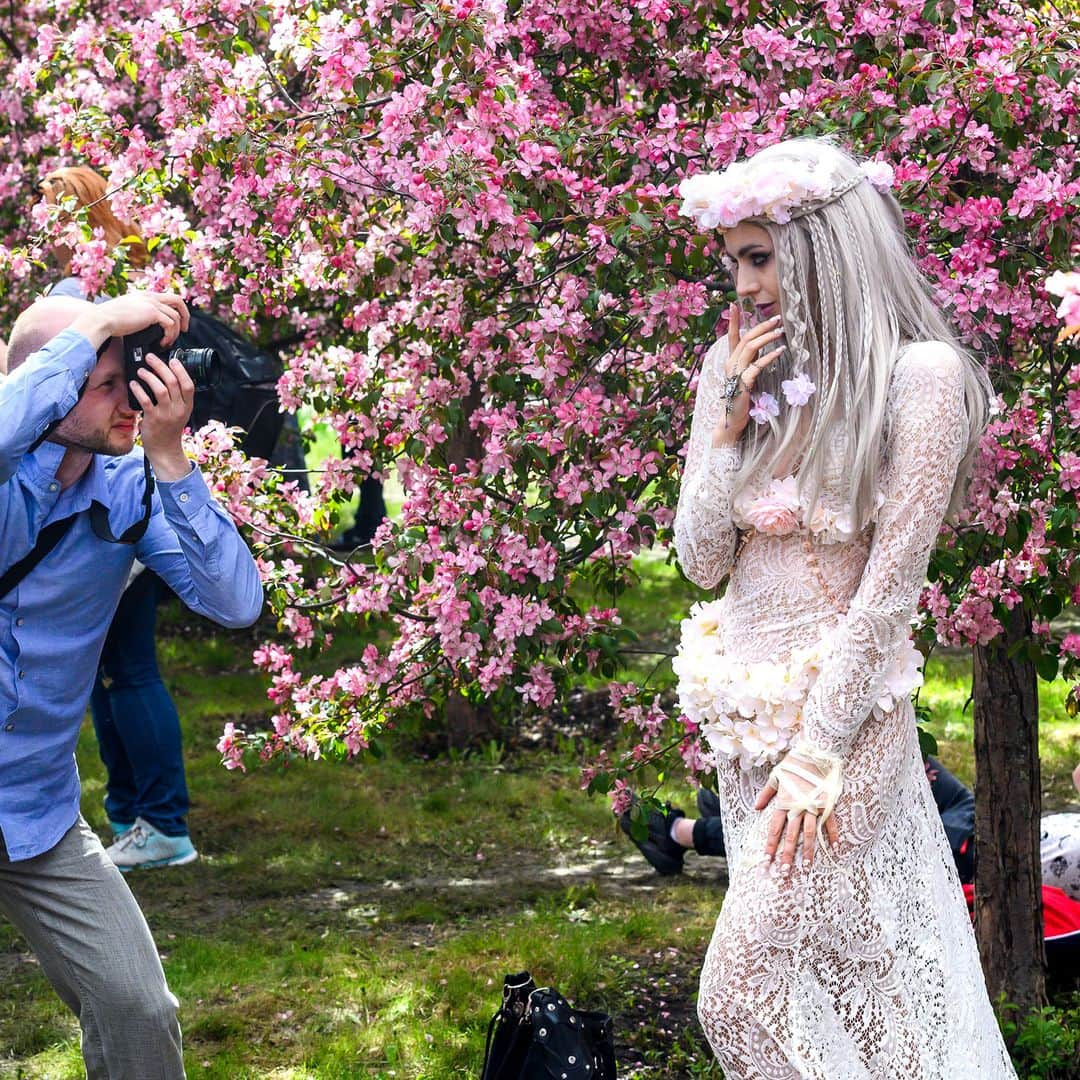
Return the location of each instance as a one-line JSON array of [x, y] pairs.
[[536, 1034]]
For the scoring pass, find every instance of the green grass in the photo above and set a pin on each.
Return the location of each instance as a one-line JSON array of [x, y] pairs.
[[947, 694], [323, 443], [356, 920]]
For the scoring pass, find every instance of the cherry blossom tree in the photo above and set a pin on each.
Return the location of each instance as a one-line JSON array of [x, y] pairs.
[[462, 218]]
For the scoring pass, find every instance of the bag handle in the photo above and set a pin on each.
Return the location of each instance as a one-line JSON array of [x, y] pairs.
[[497, 1067], [487, 1045]]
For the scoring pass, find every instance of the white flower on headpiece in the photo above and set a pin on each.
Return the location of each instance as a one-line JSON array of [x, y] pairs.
[[880, 173], [700, 195], [764, 188], [1062, 283]]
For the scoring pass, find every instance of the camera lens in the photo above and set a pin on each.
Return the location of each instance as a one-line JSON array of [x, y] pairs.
[[202, 365]]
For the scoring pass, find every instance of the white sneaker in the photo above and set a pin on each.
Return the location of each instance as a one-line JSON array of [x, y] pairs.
[[143, 847]]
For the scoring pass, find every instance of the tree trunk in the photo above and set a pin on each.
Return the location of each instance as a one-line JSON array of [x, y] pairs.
[[1008, 802], [466, 724]]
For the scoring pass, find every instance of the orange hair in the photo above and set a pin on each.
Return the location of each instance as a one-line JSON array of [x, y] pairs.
[[90, 190]]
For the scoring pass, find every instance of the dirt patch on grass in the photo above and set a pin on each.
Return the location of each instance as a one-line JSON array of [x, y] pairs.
[[622, 872]]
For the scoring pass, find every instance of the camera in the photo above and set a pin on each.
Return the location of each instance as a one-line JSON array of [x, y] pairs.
[[202, 365]]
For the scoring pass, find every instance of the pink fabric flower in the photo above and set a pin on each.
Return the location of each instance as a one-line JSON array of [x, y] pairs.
[[776, 511], [765, 405], [798, 391]]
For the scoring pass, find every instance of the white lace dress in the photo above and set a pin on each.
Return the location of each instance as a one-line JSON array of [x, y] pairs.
[[864, 966]]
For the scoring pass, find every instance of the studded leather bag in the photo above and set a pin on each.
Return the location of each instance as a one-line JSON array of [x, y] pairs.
[[538, 1035]]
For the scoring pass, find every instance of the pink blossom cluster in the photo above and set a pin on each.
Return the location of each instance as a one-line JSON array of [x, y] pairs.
[[462, 219]]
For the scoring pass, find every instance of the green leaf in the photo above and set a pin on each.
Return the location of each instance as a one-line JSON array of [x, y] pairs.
[[601, 783], [1047, 667], [1050, 607], [928, 745]]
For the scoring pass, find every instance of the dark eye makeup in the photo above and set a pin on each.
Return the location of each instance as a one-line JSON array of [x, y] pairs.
[[757, 259]]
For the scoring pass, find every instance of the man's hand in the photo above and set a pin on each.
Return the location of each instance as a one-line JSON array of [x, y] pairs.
[[131, 313], [163, 423]]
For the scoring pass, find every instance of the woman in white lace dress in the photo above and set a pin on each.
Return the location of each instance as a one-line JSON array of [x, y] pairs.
[[820, 468]]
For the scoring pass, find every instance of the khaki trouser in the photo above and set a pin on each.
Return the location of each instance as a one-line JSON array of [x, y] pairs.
[[93, 944]]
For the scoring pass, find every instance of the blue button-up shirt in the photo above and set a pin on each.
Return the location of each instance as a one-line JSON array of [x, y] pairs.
[[53, 624]]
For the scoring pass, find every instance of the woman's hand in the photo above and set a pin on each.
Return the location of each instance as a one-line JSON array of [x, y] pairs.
[[805, 785], [748, 357]]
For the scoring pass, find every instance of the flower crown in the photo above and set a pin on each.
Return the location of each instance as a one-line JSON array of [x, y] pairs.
[[770, 188]]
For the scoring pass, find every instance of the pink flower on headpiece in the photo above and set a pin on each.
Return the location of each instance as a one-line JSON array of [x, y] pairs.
[[765, 187], [701, 195], [880, 174], [1067, 286]]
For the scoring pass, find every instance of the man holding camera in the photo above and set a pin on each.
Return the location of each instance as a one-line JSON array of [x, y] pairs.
[[77, 506]]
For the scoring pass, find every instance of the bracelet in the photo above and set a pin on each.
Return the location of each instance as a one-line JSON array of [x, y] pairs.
[[820, 799], [733, 386]]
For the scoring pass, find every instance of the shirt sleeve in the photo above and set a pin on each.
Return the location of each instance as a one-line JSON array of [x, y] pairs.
[[194, 546], [926, 444], [70, 286], [39, 392], [704, 534]]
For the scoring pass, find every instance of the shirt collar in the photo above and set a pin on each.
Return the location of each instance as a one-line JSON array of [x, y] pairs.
[[47, 458], [92, 486]]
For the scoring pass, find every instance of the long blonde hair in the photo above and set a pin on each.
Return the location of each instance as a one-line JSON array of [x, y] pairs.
[[90, 190], [851, 297]]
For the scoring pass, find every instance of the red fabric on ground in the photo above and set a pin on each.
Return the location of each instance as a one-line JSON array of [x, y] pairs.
[[1060, 914]]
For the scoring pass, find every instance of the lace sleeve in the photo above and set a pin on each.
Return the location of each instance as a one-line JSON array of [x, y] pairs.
[[704, 534], [924, 450]]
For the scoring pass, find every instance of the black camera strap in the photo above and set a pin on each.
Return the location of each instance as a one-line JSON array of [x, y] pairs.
[[99, 514], [47, 539], [54, 532], [56, 423]]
